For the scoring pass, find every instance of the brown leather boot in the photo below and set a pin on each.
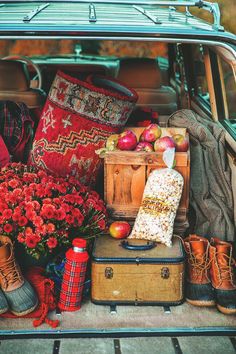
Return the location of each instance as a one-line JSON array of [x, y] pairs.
[[222, 275], [199, 291], [19, 294]]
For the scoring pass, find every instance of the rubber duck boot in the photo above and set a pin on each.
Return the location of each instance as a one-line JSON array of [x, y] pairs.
[[199, 290], [19, 294], [222, 275], [3, 303]]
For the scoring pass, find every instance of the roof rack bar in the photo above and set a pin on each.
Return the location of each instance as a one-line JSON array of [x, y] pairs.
[[33, 13], [211, 7], [214, 9], [92, 13], [187, 12], [147, 14]]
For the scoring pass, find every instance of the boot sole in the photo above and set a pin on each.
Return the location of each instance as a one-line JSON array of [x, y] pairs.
[[225, 310], [3, 311], [201, 303], [19, 314]]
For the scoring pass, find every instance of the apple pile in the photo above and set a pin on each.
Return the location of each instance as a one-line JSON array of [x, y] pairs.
[[150, 140]]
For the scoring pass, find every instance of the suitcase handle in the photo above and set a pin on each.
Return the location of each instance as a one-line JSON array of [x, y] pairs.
[[149, 245]]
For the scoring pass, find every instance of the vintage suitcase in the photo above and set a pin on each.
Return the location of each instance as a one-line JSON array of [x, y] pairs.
[[135, 272]]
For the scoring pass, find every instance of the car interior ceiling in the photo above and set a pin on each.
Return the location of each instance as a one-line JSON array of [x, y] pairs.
[[143, 74]]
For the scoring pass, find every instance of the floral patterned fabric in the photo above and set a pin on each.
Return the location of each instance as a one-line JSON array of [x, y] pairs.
[[77, 119]]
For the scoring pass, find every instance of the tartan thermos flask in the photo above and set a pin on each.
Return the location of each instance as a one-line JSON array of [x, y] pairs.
[[73, 276]]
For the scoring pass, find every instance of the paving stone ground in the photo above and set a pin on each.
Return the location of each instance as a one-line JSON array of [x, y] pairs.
[[143, 345]]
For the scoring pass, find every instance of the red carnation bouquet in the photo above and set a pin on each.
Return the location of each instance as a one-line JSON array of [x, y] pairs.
[[39, 210]]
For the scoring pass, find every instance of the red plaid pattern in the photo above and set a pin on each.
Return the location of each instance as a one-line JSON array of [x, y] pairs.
[[72, 285], [14, 123]]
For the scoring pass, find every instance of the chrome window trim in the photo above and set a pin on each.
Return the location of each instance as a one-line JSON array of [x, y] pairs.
[[130, 38]]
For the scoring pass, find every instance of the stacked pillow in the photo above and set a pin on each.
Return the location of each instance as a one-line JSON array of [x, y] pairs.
[[77, 119]]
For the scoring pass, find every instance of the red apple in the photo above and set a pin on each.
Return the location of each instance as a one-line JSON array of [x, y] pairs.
[[181, 142], [163, 143], [127, 140], [119, 229], [112, 142], [144, 146], [151, 133]]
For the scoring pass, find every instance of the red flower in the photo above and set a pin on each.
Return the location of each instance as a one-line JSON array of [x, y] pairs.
[[70, 219], [38, 221], [16, 216], [66, 207], [94, 195], [17, 192], [52, 242], [28, 231], [47, 201], [91, 203], [31, 214], [13, 183], [36, 205], [60, 214], [7, 228], [11, 198], [56, 200], [51, 228], [22, 220], [61, 188], [29, 206], [31, 241], [78, 199], [7, 214], [78, 216], [48, 211], [102, 224], [42, 173], [21, 237], [42, 229], [3, 206]]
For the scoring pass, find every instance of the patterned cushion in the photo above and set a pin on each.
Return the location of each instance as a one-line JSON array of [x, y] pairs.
[[76, 120]]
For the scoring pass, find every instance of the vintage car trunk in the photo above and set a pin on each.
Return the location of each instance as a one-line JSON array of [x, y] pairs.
[[129, 22]]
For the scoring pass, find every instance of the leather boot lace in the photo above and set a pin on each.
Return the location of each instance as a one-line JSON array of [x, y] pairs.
[[9, 272], [200, 264], [226, 271]]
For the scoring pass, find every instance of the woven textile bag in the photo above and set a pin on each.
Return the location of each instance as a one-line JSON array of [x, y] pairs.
[[77, 119]]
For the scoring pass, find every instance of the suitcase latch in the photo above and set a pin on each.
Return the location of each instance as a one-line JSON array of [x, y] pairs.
[[165, 272], [108, 273]]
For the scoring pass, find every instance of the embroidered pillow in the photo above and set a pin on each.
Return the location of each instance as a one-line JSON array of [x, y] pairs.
[[76, 120]]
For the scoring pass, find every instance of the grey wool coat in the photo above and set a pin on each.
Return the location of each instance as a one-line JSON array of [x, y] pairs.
[[211, 198]]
